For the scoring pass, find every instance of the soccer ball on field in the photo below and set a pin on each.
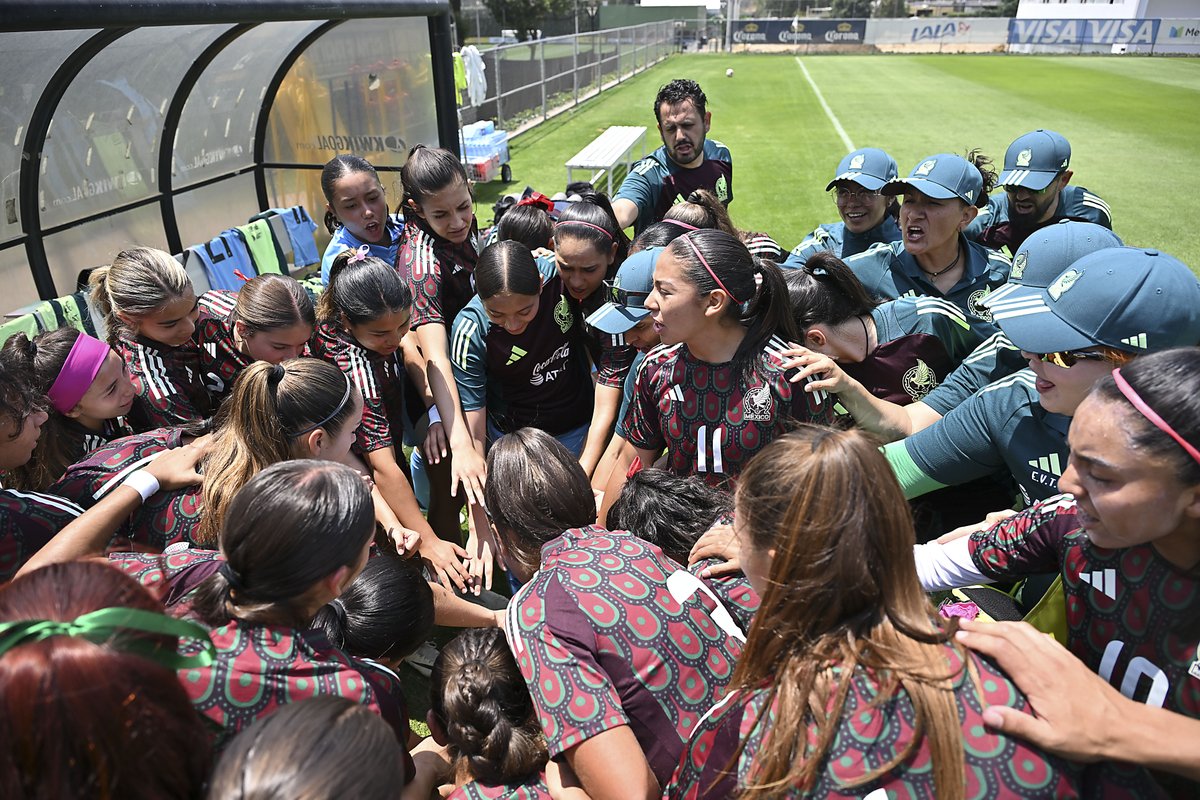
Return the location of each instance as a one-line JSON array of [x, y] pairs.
[[729, 72]]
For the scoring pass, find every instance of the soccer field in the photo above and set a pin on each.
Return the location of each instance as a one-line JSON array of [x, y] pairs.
[[1133, 124]]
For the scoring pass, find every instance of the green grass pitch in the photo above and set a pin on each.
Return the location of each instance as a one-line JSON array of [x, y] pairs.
[[1133, 124]]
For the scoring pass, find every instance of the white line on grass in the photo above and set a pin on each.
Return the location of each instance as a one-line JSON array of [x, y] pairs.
[[837, 126]]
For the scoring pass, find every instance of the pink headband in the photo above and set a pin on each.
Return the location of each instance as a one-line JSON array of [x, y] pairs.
[[1150, 414], [696, 250], [77, 373], [683, 225], [560, 223]]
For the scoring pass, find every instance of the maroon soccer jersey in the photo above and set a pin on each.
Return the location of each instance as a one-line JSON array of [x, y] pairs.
[[533, 789], [259, 668], [872, 732], [1133, 617], [220, 358], [710, 419], [438, 272], [379, 379], [27, 521], [169, 382], [172, 574], [733, 590], [166, 518], [611, 632]]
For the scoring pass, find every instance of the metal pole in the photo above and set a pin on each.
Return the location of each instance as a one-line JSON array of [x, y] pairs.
[[542, 68], [575, 56], [729, 25], [498, 52]]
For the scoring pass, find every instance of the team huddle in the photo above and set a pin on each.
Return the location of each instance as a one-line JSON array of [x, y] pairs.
[[717, 519]]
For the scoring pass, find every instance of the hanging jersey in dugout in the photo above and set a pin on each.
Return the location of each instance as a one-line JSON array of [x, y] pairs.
[[223, 257]]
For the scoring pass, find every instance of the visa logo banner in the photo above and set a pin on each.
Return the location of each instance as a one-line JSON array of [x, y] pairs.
[[1082, 31]]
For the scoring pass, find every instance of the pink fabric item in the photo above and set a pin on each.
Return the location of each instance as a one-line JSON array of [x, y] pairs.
[[78, 371], [960, 610]]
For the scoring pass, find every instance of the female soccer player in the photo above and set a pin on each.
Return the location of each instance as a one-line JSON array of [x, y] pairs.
[[356, 212], [715, 393], [150, 312], [933, 257], [602, 621], [868, 216], [270, 318], [849, 682], [88, 393], [364, 315], [1125, 536]]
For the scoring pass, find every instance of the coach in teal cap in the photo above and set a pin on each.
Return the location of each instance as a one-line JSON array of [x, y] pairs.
[[942, 177], [627, 293], [869, 167], [1034, 160], [1124, 298]]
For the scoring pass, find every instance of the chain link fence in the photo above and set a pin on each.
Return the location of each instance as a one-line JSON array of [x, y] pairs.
[[528, 82]]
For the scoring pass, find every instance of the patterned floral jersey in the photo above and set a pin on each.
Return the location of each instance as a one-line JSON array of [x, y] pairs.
[[533, 789], [166, 518], [169, 381], [871, 732], [380, 380], [220, 358], [27, 521], [709, 422], [611, 632], [1134, 617], [439, 272], [733, 590]]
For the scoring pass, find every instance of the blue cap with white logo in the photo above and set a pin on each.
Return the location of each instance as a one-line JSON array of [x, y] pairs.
[[1045, 254], [1035, 159], [869, 167], [627, 294], [942, 176], [1126, 298]]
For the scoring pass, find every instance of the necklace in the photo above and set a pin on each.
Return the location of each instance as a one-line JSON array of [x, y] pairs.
[[953, 264], [866, 340]]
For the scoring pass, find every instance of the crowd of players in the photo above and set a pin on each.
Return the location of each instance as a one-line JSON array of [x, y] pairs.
[[747, 502]]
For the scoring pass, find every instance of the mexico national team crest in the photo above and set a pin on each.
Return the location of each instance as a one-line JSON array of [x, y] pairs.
[[1018, 266], [919, 380], [722, 189], [926, 167], [756, 404], [1062, 283], [976, 306], [857, 161], [1024, 157], [562, 314]]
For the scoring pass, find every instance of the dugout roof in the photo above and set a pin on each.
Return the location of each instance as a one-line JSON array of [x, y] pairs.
[[164, 122]]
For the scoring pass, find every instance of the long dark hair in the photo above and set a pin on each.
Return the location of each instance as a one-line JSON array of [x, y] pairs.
[[826, 292], [591, 218], [362, 290], [334, 170], [480, 700], [506, 267], [527, 224], [668, 510], [535, 491], [271, 302], [763, 309], [427, 171], [291, 525]]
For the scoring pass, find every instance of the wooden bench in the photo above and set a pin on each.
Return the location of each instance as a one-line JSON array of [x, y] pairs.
[[614, 146]]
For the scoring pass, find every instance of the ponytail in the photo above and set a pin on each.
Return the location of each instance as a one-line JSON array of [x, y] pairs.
[[826, 292], [987, 171], [703, 210], [427, 171]]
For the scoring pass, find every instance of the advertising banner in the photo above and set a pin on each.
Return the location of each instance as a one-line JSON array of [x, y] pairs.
[[795, 32], [1082, 31]]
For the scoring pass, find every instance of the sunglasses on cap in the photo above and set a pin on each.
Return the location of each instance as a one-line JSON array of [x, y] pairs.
[[625, 297], [1069, 358]]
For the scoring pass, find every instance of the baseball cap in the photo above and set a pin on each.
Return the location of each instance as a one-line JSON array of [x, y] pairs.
[[636, 275], [942, 176], [1035, 159], [1044, 255], [869, 167], [1125, 298]]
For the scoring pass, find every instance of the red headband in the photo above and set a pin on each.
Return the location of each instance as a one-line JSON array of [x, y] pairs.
[[77, 373], [1150, 414], [696, 250]]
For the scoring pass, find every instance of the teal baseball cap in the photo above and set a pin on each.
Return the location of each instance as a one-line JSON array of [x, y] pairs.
[[1035, 159], [942, 176], [1126, 298], [627, 293], [869, 167], [1044, 255]]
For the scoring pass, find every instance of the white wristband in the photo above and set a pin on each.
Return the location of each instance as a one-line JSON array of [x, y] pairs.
[[434, 415], [143, 483]]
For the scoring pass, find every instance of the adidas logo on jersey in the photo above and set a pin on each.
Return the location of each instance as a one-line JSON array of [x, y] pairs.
[[516, 355], [1048, 463], [1102, 580], [1136, 341]]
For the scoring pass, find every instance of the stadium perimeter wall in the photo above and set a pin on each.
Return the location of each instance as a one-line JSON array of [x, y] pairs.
[[969, 35]]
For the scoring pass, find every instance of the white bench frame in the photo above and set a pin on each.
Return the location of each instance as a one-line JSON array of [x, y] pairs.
[[614, 146]]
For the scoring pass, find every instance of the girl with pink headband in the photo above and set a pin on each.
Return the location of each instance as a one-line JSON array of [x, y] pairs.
[[88, 392], [1125, 536], [715, 392]]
